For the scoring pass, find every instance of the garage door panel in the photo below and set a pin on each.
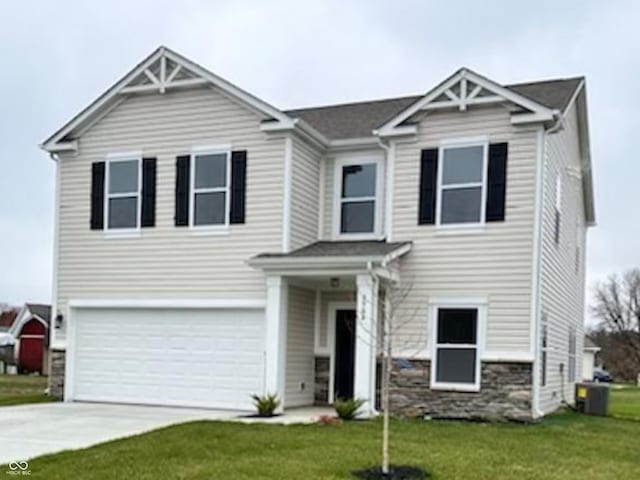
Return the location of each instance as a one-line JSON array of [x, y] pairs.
[[206, 358]]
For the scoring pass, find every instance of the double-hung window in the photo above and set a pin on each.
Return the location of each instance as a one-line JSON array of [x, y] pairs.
[[210, 178], [462, 184], [571, 369], [456, 347], [358, 198], [122, 202]]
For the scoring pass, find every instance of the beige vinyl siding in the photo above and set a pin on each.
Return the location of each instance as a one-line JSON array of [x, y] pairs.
[[562, 287], [300, 357], [495, 262], [167, 261], [304, 194], [329, 200]]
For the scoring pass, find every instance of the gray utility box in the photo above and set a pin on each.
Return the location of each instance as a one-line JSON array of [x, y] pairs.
[[592, 398]]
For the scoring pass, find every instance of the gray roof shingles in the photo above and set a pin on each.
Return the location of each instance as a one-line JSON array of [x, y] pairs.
[[43, 311], [365, 248], [357, 120]]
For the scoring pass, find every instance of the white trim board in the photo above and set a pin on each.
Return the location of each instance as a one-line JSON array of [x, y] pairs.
[[168, 303]]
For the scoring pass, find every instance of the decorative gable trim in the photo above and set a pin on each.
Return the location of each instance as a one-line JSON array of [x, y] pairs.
[[160, 72], [461, 90]]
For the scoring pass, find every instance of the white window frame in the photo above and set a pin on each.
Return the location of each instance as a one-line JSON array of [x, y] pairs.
[[461, 143], [116, 158], [544, 350], [201, 151], [572, 360], [376, 159], [477, 303], [557, 224]]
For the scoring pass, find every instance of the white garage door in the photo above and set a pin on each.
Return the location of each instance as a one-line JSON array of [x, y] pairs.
[[199, 358]]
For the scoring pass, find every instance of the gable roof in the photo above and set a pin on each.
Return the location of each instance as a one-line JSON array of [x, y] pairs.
[[357, 120], [41, 310], [163, 69], [7, 318]]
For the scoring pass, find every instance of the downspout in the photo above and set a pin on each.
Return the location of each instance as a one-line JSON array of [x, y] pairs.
[[538, 258], [388, 197]]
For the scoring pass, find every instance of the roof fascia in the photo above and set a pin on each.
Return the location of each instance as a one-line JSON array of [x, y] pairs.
[[100, 102], [585, 150]]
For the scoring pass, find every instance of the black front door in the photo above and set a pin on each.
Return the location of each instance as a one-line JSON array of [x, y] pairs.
[[345, 353]]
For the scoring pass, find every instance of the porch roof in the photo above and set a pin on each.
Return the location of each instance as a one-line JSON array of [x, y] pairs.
[[338, 252]]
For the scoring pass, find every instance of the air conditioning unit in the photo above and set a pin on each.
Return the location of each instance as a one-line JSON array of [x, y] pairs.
[[592, 398]]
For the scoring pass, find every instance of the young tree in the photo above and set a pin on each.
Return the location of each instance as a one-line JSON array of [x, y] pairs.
[[394, 314], [617, 307]]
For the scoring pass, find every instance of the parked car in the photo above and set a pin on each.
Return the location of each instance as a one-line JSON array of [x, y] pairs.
[[600, 375]]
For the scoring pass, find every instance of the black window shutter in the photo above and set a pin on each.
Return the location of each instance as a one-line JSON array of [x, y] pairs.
[[496, 182], [182, 190], [238, 186], [148, 192], [428, 186], [97, 195]]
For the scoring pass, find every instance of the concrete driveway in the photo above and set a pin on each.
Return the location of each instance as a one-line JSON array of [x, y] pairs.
[[28, 431]]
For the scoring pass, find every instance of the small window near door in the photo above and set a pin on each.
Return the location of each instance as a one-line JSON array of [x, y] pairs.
[[456, 352], [358, 198]]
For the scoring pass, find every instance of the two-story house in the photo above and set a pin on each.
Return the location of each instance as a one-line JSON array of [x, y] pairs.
[[209, 245]]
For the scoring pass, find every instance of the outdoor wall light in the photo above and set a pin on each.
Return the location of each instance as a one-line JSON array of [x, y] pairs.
[[59, 320], [334, 282]]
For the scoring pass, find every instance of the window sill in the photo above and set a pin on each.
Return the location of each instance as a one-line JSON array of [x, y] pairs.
[[213, 230], [357, 236], [461, 229], [115, 234], [455, 387]]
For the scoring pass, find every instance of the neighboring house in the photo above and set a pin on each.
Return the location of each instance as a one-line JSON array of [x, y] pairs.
[[8, 315], [209, 245], [31, 333], [589, 354]]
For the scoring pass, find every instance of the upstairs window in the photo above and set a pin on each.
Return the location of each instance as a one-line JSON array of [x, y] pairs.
[[456, 358], [122, 205], [358, 202], [210, 188], [462, 184], [557, 209]]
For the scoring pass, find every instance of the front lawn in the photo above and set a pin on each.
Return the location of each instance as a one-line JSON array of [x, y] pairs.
[[625, 401], [17, 389], [566, 446]]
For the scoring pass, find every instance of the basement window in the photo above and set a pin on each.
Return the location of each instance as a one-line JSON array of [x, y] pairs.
[[456, 357]]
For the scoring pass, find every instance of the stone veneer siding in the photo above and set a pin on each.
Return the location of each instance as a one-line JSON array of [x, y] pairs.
[[505, 393], [56, 376], [322, 373]]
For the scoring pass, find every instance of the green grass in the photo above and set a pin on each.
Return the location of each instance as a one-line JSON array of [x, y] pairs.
[[566, 446], [625, 401], [18, 389]]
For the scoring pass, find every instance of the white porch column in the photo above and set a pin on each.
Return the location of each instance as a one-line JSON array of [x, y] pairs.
[[276, 337], [366, 341]]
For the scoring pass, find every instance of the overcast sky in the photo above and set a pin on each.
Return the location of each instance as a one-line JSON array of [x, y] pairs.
[[57, 57]]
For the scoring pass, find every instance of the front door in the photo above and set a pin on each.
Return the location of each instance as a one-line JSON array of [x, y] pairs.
[[345, 354]]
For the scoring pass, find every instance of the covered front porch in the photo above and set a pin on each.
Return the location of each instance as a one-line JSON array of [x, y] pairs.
[[323, 320]]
